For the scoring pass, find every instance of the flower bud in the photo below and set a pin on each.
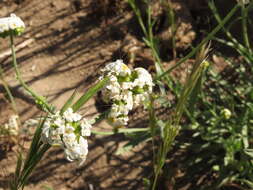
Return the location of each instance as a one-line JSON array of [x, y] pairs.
[[226, 113]]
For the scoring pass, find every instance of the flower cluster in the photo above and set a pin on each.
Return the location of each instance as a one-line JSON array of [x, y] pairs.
[[69, 131], [11, 25], [126, 89], [12, 127]]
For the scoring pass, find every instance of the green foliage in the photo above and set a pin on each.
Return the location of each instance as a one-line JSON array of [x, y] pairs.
[[210, 124], [25, 167], [229, 136], [227, 140]]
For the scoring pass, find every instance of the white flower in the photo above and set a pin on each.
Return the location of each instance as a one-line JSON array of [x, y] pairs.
[[46, 132], [85, 128], [143, 78], [69, 128], [13, 125], [118, 121], [127, 85], [12, 23], [127, 98], [70, 116], [139, 99], [77, 150], [51, 136], [111, 89], [118, 115], [118, 110], [69, 139], [69, 131], [113, 86], [118, 68]]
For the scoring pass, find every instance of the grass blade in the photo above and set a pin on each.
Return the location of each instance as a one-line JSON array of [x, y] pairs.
[[68, 102], [83, 99]]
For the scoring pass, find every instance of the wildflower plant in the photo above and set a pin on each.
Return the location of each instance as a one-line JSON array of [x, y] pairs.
[[63, 128]]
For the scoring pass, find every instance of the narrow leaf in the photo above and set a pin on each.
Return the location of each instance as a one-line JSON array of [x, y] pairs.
[[91, 92], [68, 102]]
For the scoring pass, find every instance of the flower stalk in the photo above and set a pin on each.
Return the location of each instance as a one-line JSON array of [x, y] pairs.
[[39, 100]]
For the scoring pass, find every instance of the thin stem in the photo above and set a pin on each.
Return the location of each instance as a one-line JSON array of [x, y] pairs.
[[131, 130], [26, 87], [244, 13], [208, 38], [155, 180], [152, 124], [139, 16], [7, 89]]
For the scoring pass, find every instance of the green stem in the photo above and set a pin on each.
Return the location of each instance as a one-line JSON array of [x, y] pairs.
[[7, 89], [131, 130], [155, 180], [139, 16], [244, 13], [204, 41], [26, 87], [152, 126]]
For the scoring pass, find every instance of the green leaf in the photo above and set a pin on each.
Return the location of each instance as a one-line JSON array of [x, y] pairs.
[[68, 102], [18, 169], [35, 143], [36, 157], [91, 92]]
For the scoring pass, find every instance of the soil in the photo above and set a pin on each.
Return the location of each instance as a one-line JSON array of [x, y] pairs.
[[72, 41]]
